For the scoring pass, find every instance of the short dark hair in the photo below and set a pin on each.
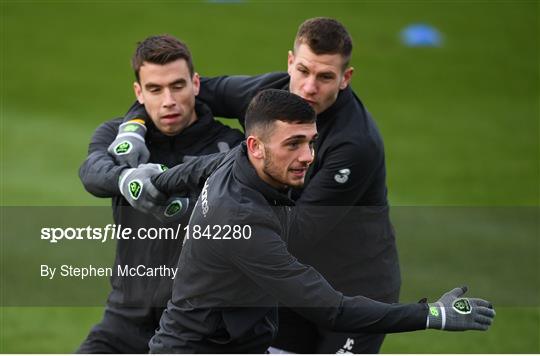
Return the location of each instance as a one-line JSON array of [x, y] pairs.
[[271, 105], [161, 49], [324, 35]]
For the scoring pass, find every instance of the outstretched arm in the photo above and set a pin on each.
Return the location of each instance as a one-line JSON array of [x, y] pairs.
[[229, 96], [266, 261], [189, 177]]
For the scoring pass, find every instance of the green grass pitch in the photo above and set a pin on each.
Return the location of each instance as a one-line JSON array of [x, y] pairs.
[[460, 124]]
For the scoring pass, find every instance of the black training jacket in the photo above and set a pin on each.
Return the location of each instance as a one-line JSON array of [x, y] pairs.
[[226, 292], [342, 226], [99, 174]]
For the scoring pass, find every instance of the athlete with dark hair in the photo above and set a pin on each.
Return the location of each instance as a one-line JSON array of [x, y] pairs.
[[177, 126], [235, 267]]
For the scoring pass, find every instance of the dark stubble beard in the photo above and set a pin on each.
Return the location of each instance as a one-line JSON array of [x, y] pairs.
[[269, 170]]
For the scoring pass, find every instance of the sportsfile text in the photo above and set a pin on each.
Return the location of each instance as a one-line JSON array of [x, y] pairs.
[[110, 232], [114, 232]]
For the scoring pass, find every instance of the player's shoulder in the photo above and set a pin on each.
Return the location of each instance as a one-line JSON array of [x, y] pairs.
[[351, 146], [110, 125], [226, 201], [270, 80], [354, 126], [271, 76], [224, 133], [244, 203], [353, 141], [352, 111]]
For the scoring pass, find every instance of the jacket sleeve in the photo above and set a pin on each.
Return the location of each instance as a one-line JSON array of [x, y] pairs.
[[189, 177], [265, 260], [229, 96], [333, 192], [99, 172]]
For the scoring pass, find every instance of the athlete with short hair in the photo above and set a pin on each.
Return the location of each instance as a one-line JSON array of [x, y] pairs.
[[235, 267], [177, 125]]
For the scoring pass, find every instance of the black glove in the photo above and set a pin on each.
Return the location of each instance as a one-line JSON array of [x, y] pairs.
[[454, 313]]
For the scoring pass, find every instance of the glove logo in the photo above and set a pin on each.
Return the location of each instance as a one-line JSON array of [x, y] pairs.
[[174, 208], [342, 176], [135, 189], [462, 306], [123, 148], [434, 311]]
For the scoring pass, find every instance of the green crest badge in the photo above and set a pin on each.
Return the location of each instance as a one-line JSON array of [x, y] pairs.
[[434, 311], [130, 128], [122, 148], [174, 208], [135, 189], [163, 167], [462, 306]]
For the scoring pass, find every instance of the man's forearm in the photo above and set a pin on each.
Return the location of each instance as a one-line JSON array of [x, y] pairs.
[[361, 314], [189, 177], [99, 175]]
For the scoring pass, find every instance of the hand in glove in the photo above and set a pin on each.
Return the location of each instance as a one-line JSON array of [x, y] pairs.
[[129, 146], [453, 312], [136, 186]]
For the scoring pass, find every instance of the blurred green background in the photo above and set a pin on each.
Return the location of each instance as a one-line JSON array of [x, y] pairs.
[[460, 123]]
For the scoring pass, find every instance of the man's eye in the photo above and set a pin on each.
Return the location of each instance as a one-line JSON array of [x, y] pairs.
[[153, 90], [178, 87], [302, 70], [293, 145]]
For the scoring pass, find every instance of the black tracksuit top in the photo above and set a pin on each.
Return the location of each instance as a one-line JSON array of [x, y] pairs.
[[342, 226], [226, 292], [99, 174]]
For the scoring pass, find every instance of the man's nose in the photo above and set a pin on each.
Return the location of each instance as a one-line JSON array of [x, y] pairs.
[[307, 154], [310, 85], [168, 99]]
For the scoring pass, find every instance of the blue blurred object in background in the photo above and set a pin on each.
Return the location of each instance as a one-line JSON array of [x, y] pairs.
[[421, 35]]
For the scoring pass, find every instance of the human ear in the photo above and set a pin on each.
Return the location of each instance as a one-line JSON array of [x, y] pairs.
[[347, 76], [255, 147], [196, 83], [138, 92]]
